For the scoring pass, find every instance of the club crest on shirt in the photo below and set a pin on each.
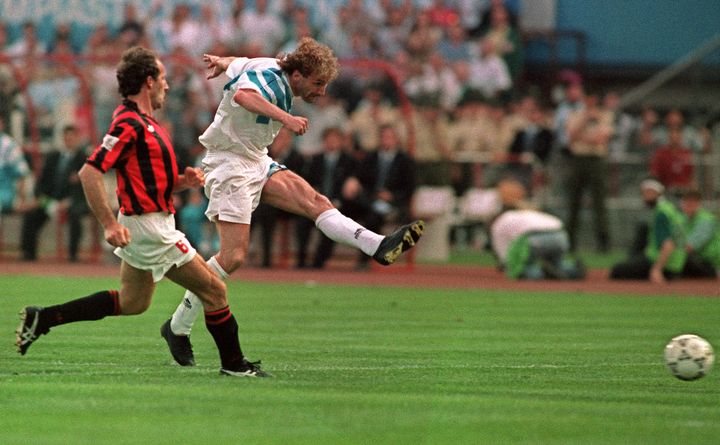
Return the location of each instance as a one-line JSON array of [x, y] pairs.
[[151, 129], [109, 142]]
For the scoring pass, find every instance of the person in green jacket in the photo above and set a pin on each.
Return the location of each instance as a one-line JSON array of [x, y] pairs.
[[664, 252], [702, 237]]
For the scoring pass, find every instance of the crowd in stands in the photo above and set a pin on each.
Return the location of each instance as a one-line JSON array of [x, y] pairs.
[[459, 63]]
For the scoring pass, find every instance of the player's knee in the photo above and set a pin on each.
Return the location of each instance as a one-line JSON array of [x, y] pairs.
[[136, 307], [318, 204], [232, 259]]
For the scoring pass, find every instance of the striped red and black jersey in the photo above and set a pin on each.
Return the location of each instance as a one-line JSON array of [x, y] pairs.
[[141, 153]]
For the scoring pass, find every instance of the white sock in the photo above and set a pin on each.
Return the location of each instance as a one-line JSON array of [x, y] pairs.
[[187, 312], [342, 229]]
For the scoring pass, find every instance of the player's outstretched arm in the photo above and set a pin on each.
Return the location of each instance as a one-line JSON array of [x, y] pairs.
[[252, 101], [216, 65]]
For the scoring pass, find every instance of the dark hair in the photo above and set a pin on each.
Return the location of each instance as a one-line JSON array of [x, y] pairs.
[[136, 64], [69, 127], [332, 130], [692, 193]]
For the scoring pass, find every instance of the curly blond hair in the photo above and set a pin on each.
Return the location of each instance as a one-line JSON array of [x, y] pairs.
[[311, 57]]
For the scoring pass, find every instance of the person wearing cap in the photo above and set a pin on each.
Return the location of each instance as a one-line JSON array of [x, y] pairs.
[[702, 244], [664, 253]]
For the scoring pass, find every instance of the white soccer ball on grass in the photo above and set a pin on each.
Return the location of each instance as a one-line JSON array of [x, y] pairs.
[[689, 357]]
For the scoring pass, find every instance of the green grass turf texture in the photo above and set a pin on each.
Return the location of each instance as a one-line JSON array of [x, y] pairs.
[[364, 365]]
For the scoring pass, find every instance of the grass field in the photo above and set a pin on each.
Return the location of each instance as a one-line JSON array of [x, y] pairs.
[[356, 365]]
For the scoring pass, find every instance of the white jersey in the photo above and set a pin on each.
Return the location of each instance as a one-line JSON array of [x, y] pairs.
[[512, 224], [238, 130]]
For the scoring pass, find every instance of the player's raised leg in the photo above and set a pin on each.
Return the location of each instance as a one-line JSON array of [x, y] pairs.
[[288, 191]]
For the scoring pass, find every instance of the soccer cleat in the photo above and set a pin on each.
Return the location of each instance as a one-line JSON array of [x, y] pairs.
[[28, 331], [247, 369], [180, 346], [398, 242]]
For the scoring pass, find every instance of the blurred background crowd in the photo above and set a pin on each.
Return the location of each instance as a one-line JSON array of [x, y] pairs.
[[433, 95]]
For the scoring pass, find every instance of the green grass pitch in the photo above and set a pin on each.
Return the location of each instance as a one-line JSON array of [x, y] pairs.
[[364, 365]]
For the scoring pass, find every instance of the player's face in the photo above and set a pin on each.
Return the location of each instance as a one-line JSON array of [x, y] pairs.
[[159, 88], [309, 88]]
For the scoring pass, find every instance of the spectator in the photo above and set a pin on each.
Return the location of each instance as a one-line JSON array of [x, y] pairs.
[[230, 30], [646, 137], [506, 39], [432, 152], [58, 190], [442, 15], [266, 217], [498, 139], [101, 73], [327, 172], [691, 138], [14, 172], [466, 139], [702, 230], [624, 125], [573, 95], [489, 72], [392, 36], [325, 112], [455, 46], [61, 44], [373, 112], [423, 38], [659, 252], [384, 186], [589, 130], [300, 27], [181, 30], [485, 14], [29, 45], [532, 245], [132, 29], [337, 31], [437, 80], [672, 164], [264, 31], [532, 142]]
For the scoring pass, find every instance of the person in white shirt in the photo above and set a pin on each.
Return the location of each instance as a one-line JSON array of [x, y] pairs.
[[239, 172], [533, 245]]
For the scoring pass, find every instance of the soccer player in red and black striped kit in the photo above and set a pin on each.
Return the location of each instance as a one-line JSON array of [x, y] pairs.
[[144, 232]]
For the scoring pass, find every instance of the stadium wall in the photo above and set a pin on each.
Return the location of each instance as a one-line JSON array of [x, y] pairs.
[[639, 32]]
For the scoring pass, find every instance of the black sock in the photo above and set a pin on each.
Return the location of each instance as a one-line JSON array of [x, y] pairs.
[[224, 329], [92, 307]]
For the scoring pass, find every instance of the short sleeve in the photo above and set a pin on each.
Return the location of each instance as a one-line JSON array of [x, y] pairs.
[[115, 143], [236, 67]]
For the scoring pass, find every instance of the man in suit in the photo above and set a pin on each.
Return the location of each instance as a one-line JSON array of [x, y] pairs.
[[58, 189], [327, 172], [385, 184]]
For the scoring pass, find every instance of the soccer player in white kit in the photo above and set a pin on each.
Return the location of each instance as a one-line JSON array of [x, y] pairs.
[[239, 173]]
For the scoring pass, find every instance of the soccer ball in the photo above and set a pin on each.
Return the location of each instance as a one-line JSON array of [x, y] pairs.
[[689, 357]]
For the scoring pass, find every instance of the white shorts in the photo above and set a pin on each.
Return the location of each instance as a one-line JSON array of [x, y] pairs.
[[234, 183], [155, 244]]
